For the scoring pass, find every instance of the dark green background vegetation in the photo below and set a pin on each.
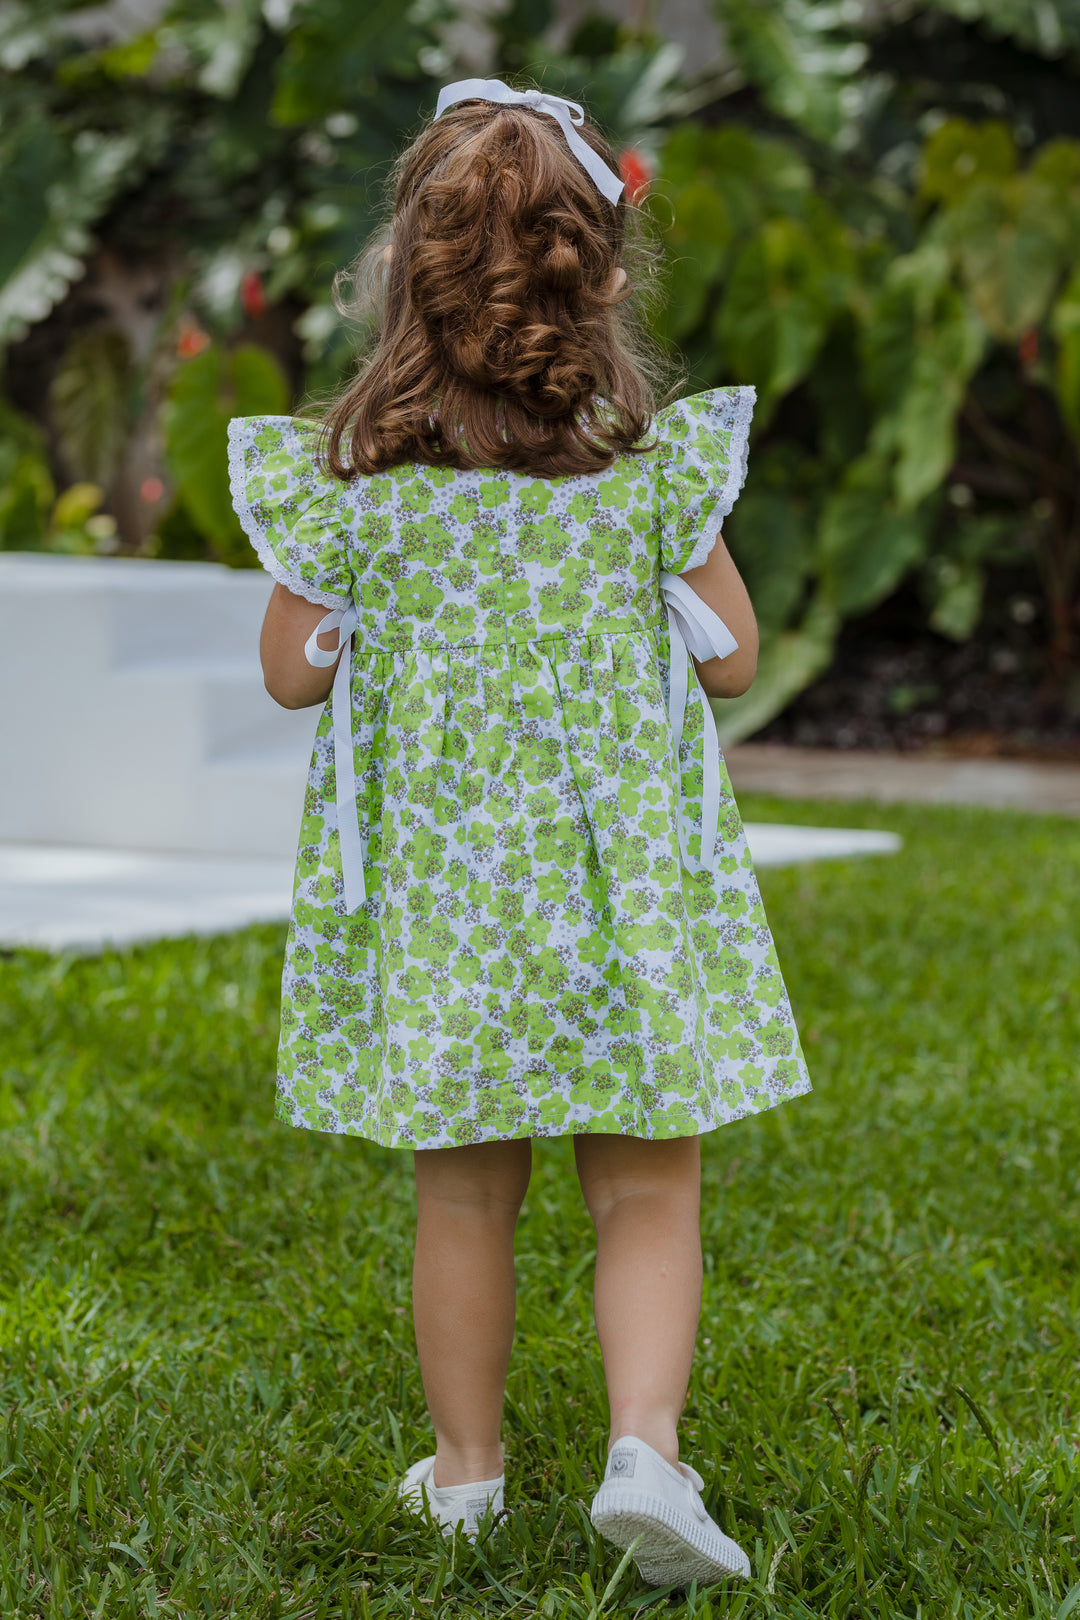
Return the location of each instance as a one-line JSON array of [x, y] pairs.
[[872, 213]]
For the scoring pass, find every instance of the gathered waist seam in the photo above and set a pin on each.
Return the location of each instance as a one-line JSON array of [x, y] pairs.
[[694, 629], [499, 643]]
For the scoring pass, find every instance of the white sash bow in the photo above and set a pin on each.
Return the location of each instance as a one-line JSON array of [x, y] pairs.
[[693, 627], [344, 621]]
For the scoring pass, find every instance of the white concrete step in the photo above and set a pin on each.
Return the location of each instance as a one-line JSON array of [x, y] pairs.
[[55, 898], [772, 844], [138, 718], [145, 609]]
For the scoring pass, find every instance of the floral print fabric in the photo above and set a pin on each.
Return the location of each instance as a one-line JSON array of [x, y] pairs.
[[532, 958]]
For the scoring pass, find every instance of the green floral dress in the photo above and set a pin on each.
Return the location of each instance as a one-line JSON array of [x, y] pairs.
[[534, 954]]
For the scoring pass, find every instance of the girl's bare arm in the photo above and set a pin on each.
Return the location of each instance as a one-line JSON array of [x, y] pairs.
[[718, 584], [290, 679]]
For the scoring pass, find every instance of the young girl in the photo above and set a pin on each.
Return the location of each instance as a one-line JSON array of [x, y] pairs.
[[524, 905]]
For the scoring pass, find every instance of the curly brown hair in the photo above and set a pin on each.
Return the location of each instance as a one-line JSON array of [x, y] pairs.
[[500, 339]]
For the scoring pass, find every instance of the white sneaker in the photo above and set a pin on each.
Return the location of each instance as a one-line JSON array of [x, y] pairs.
[[451, 1504], [643, 1495]]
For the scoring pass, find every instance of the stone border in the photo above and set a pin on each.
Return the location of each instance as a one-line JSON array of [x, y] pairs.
[[891, 778]]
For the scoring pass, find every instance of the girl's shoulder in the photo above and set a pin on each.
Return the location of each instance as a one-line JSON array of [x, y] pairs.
[[286, 450], [279, 459], [275, 457], [699, 454], [296, 514], [714, 419], [703, 435], [282, 438]]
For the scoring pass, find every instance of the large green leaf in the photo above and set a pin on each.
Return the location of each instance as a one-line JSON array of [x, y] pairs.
[[89, 400], [684, 155], [1057, 166], [204, 394], [775, 310], [53, 191], [769, 537], [947, 351], [864, 544], [337, 52], [840, 403], [909, 290], [788, 662], [697, 244], [759, 175], [1013, 242], [798, 57], [961, 153], [1065, 325], [919, 347], [754, 175]]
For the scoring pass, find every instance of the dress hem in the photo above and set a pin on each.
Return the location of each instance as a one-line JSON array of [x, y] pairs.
[[802, 1090]]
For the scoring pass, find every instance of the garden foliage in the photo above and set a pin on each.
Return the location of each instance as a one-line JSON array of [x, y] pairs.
[[872, 214], [882, 376]]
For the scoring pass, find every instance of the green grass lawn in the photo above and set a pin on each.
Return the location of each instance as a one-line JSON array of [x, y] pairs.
[[207, 1370]]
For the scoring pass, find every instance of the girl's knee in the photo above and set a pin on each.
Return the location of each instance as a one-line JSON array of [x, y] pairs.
[[613, 1168], [491, 1176]]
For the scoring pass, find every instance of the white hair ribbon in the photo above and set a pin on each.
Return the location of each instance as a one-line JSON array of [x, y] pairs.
[[565, 113]]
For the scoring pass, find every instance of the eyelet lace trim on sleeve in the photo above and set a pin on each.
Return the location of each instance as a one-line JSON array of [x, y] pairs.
[[744, 400], [239, 437]]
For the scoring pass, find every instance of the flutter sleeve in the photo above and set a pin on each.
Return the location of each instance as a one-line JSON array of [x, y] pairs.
[[294, 514], [701, 467]]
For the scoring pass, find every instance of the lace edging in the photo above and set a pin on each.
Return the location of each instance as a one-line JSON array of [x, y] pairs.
[[254, 529], [745, 400]]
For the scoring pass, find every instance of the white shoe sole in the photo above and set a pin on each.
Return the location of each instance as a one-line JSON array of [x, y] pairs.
[[674, 1549]]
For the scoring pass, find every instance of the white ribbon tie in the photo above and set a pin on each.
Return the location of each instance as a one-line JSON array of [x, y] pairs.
[[695, 628], [565, 113], [344, 621]]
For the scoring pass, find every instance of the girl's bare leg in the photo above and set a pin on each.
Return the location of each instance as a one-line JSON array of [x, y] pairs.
[[467, 1204], [645, 1201]]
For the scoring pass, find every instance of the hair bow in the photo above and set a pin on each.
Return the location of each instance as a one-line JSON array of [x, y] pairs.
[[565, 113]]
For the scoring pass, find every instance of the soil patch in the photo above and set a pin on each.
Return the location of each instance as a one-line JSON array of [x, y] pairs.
[[903, 688]]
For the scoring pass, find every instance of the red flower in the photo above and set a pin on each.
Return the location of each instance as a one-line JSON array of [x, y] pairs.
[[635, 172], [252, 296], [191, 339], [1028, 347]]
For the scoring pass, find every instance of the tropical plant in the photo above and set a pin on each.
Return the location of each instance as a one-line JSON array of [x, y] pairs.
[[916, 346], [176, 184], [871, 212], [180, 188], [882, 376]]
